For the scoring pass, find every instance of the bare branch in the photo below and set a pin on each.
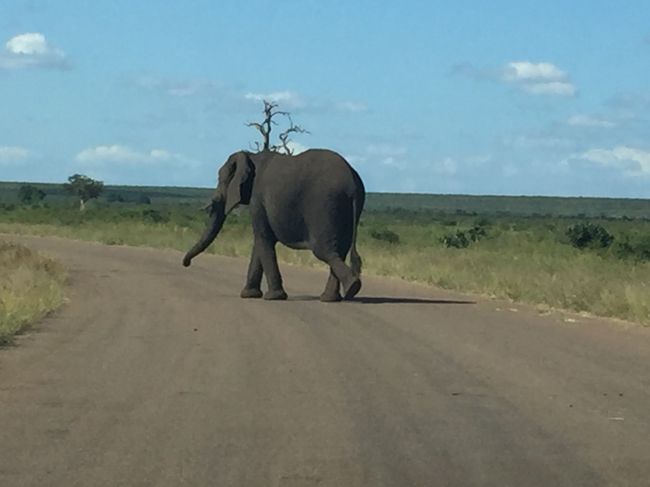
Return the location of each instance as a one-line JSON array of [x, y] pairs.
[[270, 111], [256, 125], [284, 136]]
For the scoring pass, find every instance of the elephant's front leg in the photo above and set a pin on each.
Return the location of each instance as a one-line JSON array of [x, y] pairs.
[[252, 289], [269, 260]]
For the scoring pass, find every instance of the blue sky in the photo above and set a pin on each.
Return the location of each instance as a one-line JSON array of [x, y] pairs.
[[500, 97]]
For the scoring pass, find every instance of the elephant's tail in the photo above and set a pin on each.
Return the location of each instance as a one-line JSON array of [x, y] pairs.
[[355, 258]]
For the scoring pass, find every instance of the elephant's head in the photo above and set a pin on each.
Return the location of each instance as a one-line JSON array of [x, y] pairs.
[[234, 188]]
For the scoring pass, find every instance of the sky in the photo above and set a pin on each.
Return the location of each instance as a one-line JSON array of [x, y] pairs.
[[502, 97]]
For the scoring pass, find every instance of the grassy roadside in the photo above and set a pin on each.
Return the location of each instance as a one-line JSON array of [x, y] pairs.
[[30, 287], [524, 260]]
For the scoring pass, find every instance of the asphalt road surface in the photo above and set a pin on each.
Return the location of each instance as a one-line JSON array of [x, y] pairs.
[[158, 375]]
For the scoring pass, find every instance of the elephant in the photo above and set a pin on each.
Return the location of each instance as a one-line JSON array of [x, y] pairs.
[[312, 201]]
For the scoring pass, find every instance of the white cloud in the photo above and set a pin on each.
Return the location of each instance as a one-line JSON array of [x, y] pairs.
[[355, 159], [633, 162], [385, 154], [388, 154], [179, 88], [386, 150], [13, 155], [446, 167], [538, 141], [119, 154], [478, 160], [296, 147], [536, 72], [589, 121], [31, 50], [288, 99], [351, 106], [538, 78], [560, 88]]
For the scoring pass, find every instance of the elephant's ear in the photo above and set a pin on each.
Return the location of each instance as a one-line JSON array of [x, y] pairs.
[[240, 185]]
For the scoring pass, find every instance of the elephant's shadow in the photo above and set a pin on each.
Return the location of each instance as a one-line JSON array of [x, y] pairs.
[[388, 300]]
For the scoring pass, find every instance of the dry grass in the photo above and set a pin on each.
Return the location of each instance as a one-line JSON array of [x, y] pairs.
[[522, 264], [30, 287]]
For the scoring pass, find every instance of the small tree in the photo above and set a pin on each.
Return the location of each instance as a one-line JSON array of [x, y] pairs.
[[589, 235], [266, 126], [84, 188], [30, 195]]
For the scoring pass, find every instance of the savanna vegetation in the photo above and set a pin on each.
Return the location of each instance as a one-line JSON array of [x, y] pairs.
[[592, 256], [30, 287]]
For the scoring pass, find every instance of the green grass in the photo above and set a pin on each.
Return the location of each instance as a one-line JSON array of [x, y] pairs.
[[526, 259], [30, 287]]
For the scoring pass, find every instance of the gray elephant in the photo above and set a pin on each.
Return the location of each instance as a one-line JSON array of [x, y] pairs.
[[310, 201]]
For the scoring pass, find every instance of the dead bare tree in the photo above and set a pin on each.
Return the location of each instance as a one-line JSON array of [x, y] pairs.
[[265, 127], [284, 136]]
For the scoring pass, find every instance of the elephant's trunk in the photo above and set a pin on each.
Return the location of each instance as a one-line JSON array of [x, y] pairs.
[[217, 217]]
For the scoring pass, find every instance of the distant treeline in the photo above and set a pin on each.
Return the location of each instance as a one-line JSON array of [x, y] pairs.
[[547, 206], [384, 202]]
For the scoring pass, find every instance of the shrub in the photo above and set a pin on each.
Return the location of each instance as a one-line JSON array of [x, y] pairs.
[[633, 247], [456, 240], [385, 235], [462, 239], [476, 233], [154, 216], [589, 235], [30, 195]]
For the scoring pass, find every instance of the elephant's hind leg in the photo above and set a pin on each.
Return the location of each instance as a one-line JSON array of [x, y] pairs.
[[252, 289], [349, 281], [331, 293]]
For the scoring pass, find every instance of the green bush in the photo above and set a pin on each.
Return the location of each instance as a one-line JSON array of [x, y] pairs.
[[154, 216], [589, 235], [385, 235], [462, 239], [637, 247], [476, 233], [30, 195], [456, 240]]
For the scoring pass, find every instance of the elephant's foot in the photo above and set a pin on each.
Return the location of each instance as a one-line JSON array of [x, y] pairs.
[[275, 295], [352, 288], [252, 292], [330, 297]]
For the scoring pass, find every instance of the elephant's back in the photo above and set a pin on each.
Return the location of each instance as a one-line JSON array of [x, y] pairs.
[[309, 197], [327, 170]]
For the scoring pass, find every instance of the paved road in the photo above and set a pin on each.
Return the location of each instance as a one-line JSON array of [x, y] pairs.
[[158, 375]]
